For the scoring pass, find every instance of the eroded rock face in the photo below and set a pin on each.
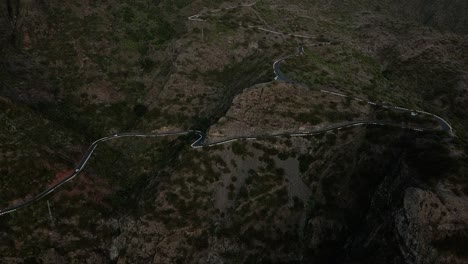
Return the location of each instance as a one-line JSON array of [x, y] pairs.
[[428, 223], [280, 108]]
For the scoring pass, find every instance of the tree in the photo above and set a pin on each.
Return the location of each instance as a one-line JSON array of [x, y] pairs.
[[13, 10], [140, 110]]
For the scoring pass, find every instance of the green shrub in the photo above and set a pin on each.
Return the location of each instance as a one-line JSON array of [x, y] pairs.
[[239, 149], [304, 162]]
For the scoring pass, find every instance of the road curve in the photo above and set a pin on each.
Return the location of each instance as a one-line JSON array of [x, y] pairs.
[[198, 143], [81, 164], [280, 76]]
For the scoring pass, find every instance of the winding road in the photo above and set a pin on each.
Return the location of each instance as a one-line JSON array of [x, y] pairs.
[[279, 76], [200, 141]]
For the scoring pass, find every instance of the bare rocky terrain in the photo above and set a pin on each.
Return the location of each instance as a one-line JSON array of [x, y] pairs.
[[72, 72]]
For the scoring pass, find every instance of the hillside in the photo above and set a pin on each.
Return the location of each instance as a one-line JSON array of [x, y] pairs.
[[446, 15], [296, 131]]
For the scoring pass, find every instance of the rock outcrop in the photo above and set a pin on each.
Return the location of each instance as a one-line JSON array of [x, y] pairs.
[[431, 225]]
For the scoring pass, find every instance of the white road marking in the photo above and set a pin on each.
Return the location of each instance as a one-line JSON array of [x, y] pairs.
[[330, 92], [401, 108], [297, 135]]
